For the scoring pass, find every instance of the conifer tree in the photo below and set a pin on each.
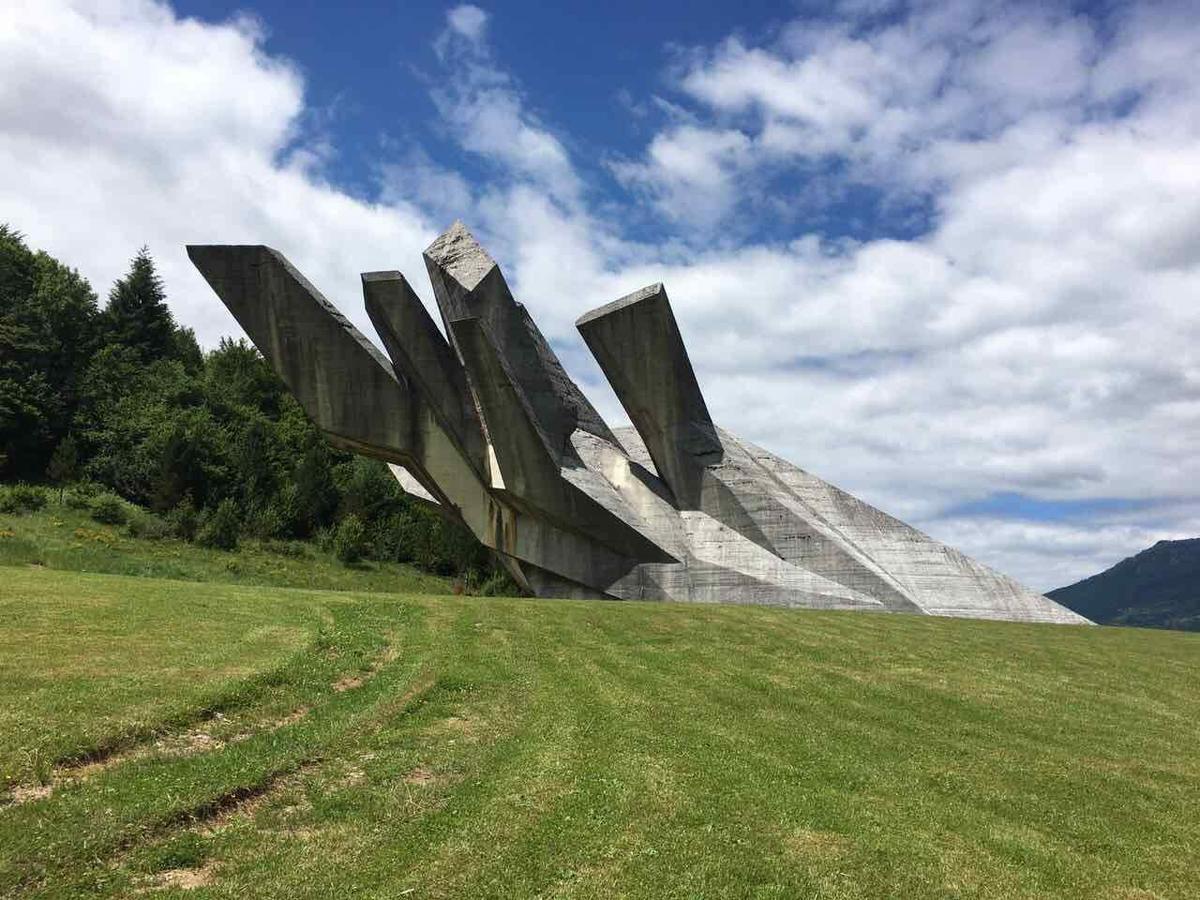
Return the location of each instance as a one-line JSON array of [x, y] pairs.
[[137, 315], [47, 336]]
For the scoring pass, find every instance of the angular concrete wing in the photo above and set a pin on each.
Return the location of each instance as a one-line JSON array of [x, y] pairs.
[[532, 479], [424, 359], [346, 385], [486, 425], [468, 285], [639, 348]]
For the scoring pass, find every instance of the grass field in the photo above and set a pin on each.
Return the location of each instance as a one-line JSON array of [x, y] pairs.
[[174, 738], [63, 538]]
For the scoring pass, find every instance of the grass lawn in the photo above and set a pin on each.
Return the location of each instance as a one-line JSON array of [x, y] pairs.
[[63, 538], [218, 740]]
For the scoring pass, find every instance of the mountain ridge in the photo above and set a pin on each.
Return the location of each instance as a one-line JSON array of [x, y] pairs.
[[1156, 588]]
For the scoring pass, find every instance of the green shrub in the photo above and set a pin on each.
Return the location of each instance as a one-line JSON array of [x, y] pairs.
[[81, 494], [291, 549], [350, 540], [21, 498], [498, 584], [149, 527], [393, 537], [265, 523], [284, 510], [109, 509], [184, 520], [323, 538], [222, 528], [469, 580]]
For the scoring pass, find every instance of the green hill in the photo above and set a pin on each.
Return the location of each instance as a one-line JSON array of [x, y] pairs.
[[237, 740], [1159, 588]]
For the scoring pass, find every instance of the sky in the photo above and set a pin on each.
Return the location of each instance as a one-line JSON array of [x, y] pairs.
[[945, 255]]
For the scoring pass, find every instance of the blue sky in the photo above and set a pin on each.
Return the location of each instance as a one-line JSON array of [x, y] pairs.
[[594, 74], [583, 66], [943, 254]]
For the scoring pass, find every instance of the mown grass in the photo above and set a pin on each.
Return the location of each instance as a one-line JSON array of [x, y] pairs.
[[59, 537], [412, 746]]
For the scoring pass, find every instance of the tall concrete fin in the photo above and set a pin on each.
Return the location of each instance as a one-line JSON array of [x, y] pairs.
[[424, 359], [346, 386], [529, 477], [469, 285], [637, 343]]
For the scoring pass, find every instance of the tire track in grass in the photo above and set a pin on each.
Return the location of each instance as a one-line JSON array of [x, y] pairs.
[[241, 803], [79, 839], [167, 740]]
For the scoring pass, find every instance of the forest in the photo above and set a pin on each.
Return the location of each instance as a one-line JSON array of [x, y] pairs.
[[116, 403]]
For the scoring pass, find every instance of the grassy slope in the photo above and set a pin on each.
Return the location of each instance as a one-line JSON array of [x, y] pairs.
[[480, 747], [63, 538]]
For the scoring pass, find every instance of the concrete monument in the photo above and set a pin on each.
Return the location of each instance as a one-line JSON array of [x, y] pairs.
[[481, 420]]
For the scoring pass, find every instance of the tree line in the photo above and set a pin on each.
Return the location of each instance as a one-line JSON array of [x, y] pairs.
[[121, 398]]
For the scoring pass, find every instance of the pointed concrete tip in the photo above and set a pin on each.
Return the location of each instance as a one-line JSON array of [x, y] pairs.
[[649, 293], [461, 256], [203, 255], [217, 248], [388, 275]]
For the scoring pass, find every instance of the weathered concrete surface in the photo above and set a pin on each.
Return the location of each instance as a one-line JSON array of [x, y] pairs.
[[422, 358], [639, 348], [533, 478], [485, 424], [469, 286], [345, 385]]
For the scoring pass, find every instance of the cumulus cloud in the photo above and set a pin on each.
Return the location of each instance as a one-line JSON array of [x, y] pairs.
[[468, 21], [689, 170], [487, 112], [124, 125], [1038, 339]]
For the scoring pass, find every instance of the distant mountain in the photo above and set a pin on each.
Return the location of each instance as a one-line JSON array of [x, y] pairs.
[[1158, 588]]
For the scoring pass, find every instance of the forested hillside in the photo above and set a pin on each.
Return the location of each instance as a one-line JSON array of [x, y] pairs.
[[1157, 588], [118, 398]]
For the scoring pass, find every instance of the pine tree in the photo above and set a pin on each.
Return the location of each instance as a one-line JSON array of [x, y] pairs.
[[137, 315]]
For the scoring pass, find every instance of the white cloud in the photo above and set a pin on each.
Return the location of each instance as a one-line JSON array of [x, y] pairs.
[[469, 21], [1040, 338], [125, 125], [882, 95], [688, 171], [1054, 554], [487, 113]]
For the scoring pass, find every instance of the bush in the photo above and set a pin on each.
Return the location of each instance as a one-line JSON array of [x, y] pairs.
[[183, 520], [393, 537], [350, 540], [81, 495], [222, 528], [149, 527], [323, 538], [498, 584], [21, 498], [109, 509], [290, 549], [283, 512], [265, 523]]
